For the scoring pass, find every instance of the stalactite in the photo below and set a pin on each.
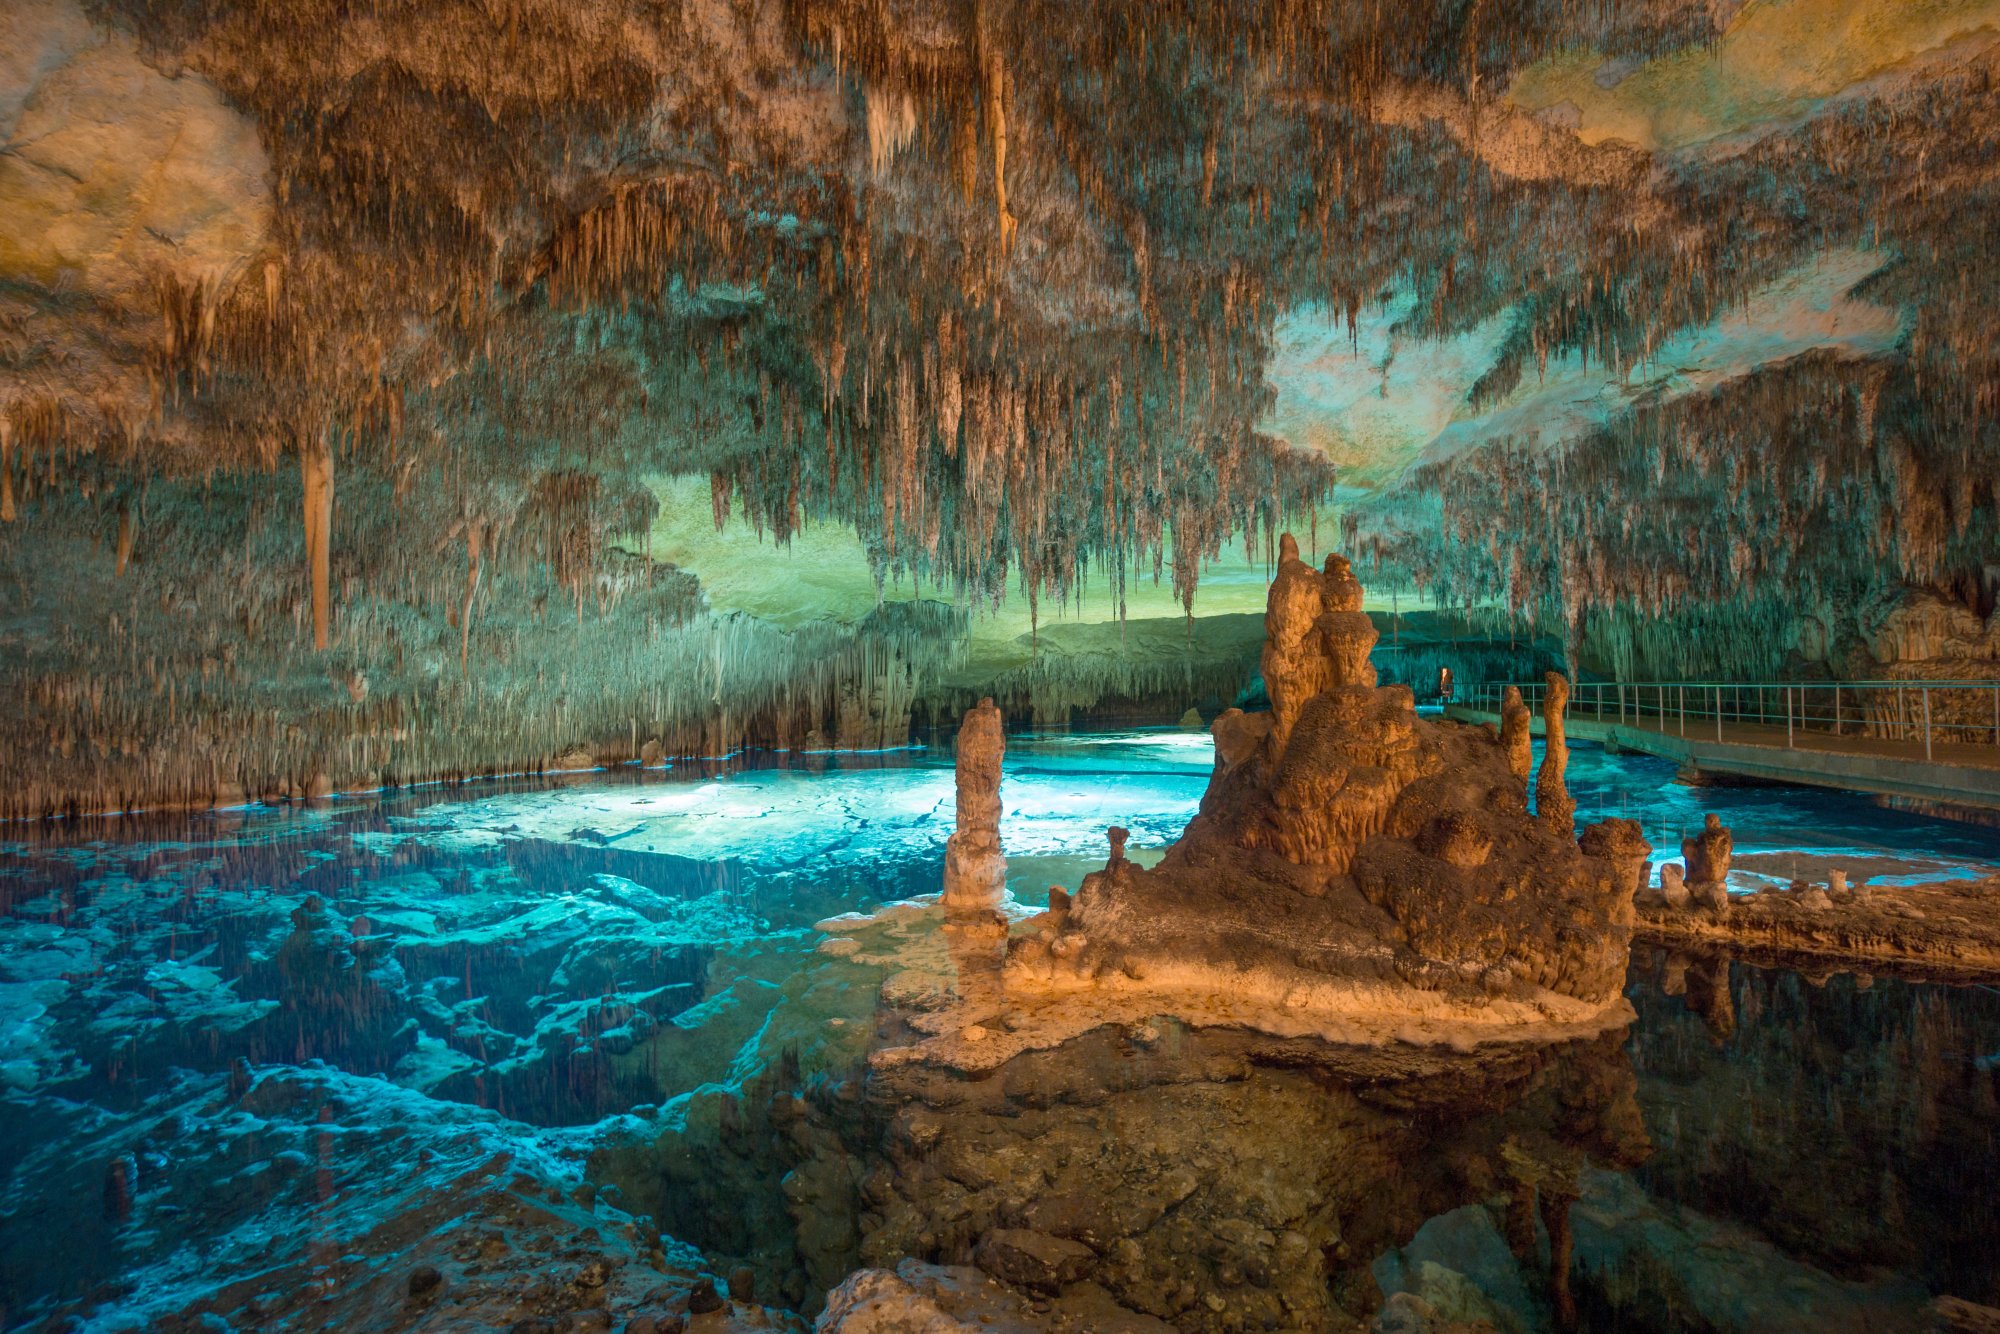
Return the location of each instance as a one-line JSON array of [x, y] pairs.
[[7, 511], [474, 534], [124, 549], [316, 474]]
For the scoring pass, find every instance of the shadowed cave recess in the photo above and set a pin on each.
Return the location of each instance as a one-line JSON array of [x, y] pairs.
[[821, 465]]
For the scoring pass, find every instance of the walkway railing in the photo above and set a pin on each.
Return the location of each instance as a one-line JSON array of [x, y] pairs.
[[1933, 712]]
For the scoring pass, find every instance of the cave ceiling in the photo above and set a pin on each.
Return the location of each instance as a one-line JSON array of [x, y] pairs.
[[1578, 308]]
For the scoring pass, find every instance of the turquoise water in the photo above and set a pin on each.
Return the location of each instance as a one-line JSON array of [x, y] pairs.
[[525, 966]]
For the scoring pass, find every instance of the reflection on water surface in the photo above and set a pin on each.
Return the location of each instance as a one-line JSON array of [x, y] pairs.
[[262, 1068]]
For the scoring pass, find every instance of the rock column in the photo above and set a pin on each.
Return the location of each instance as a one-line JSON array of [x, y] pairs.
[[1292, 665], [1707, 857], [1517, 734], [975, 871], [1553, 803]]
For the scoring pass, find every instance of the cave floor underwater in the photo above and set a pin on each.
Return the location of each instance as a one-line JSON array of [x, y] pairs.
[[579, 1056]]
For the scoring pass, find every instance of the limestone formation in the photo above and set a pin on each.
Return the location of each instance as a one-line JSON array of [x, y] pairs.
[[1947, 929], [1553, 802], [1624, 845], [1673, 886], [1517, 733], [1707, 858], [975, 870], [1290, 664], [1350, 855], [1211, 1177]]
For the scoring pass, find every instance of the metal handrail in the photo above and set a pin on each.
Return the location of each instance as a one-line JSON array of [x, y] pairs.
[[1937, 712]]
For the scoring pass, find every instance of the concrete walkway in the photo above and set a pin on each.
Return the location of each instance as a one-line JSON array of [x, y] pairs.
[[1960, 774]]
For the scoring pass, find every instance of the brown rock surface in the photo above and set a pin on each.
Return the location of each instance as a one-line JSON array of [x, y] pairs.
[[1948, 929], [1352, 858], [1552, 799], [975, 871], [1516, 734], [1214, 1178], [1707, 859]]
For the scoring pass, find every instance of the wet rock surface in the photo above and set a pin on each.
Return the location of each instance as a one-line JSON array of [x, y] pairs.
[[1947, 929], [1214, 1179]]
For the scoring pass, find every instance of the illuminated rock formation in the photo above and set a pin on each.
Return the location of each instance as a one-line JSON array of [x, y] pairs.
[[1673, 886], [1707, 859], [1553, 802], [1350, 859], [975, 870], [1947, 929], [1517, 734]]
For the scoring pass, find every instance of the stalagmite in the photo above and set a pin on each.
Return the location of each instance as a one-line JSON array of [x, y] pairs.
[[1553, 802], [1117, 835], [1707, 857], [1623, 844], [1356, 812], [316, 470], [1517, 734], [975, 870], [1291, 665], [1673, 885]]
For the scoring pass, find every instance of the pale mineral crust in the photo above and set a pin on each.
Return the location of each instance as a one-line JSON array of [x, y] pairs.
[[1349, 855]]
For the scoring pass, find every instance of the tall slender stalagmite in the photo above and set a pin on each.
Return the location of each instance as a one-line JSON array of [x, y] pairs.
[[975, 871], [1553, 802], [1293, 668], [1517, 734], [316, 467]]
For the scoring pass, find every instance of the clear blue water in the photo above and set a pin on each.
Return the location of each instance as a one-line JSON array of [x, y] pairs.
[[560, 955], [1779, 828]]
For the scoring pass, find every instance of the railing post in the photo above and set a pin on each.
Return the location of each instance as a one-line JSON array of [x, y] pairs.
[[1621, 703], [1788, 717], [1681, 707], [1927, 724], [1718, 713], [1836, 707]]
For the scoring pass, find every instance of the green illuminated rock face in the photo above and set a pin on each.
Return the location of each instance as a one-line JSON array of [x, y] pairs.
[[430, 389]]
